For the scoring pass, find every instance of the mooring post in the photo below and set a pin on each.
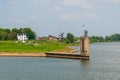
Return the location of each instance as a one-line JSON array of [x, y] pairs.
[[84, 45]]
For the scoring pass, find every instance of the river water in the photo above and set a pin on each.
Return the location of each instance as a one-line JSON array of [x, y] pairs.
[[104, 64]]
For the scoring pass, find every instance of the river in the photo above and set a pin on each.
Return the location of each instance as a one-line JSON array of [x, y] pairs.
[[104, 64]]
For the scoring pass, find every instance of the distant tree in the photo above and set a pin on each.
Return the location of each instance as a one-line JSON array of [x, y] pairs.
[[30, 34], [7, 30], [1, 29], [113, 37], [3, 35], [15, 30], [96, 39], [12, 36], [7, 34], [77, 39], [107, 38], [70, 37], [101, 39]]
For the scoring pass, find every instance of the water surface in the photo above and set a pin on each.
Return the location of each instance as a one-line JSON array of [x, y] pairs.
[[104, 64]]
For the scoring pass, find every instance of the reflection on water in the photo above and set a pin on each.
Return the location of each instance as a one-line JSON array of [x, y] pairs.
[[104, 64], [85, 69]]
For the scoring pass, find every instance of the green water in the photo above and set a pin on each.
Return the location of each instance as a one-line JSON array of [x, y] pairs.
[[104, 64]]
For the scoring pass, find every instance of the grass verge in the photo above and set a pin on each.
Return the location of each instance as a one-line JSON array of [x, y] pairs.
[[10, 46]]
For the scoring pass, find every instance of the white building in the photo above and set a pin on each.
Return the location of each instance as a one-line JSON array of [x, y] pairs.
[[22, 37]]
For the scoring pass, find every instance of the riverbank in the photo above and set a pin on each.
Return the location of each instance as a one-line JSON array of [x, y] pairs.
[[65, 51], [22, 54], [11, 46], [36, 54]]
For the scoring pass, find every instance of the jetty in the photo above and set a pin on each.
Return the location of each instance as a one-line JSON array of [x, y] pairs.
[[84, 50], [68, 56]]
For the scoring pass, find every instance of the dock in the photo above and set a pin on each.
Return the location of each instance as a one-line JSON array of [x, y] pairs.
[[67, 56]]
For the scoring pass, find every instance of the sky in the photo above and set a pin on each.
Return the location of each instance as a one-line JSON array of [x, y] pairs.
[[52, 17]]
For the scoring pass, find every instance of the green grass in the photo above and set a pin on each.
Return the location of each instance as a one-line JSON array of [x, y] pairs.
[[10, 46]]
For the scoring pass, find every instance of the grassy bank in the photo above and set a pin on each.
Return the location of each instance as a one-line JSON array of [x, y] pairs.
[[31, 46]]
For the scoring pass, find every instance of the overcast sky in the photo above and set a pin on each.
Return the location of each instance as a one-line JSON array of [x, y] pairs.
[[100, 17]]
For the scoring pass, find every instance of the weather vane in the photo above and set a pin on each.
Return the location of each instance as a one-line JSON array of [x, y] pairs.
[[85, 31]]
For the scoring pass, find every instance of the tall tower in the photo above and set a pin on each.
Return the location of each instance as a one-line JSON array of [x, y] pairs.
[[84, 45]]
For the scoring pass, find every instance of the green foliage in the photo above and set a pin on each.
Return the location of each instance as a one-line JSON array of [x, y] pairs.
[[3, 35], [113, 37], [1, 29], [66, 41], [70, 38], [30, 34], [12, 36], [7, 30], [96, 39], [7, 34], [15, 30], [10, 46], [107, 38]]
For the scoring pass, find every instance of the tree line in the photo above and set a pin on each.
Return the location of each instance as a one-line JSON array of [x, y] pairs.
[[11, 34], [114, 37], [110, 38]]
